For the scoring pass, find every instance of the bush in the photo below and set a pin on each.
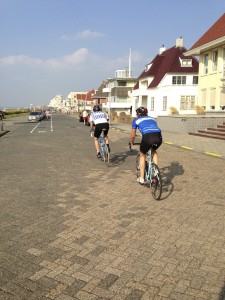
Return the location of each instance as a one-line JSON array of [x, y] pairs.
[[9, 113], [199, 110], [173, 110]]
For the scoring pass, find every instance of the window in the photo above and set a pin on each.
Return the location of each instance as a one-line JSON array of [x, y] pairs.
[[179, 80], [214, 60], [186, 62], [187, 102], [152, 104], [121, 83], [164, 103], [147, 67], [206, 61], [195, 80]]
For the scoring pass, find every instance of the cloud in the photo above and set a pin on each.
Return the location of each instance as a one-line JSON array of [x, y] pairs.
[[85, 34], [20, 60], [75, 58]]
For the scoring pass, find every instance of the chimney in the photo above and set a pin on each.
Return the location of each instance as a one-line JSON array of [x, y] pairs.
[[162, 49], [179, 42]]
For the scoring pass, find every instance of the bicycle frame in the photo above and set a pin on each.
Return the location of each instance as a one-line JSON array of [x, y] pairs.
[[148, 166], [101, 141], [103, 148]]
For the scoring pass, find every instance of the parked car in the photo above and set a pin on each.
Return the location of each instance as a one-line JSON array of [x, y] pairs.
[[36, 116]]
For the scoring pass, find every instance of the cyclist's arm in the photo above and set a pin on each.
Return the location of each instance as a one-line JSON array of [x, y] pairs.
[[132, 136]]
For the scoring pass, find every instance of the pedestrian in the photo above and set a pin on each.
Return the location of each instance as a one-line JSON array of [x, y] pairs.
[[151, 137], [85, 115]]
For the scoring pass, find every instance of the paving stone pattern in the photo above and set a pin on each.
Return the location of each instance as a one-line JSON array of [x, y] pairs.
[[94, 233]]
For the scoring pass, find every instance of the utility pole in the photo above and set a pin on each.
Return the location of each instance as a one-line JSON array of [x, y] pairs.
[[129, 71]]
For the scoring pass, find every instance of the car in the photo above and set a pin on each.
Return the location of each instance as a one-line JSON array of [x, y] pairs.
[[35, 116]]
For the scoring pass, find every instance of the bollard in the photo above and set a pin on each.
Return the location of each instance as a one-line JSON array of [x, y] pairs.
[[1, 126]]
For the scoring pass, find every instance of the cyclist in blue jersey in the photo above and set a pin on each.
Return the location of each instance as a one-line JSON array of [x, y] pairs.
[[151, 137], [100, 120]]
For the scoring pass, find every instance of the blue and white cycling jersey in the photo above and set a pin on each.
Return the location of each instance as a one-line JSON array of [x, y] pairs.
[[98, 117], [145, 124]]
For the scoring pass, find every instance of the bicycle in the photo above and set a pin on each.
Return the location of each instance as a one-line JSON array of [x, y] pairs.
[[152, 173], [104, 148]]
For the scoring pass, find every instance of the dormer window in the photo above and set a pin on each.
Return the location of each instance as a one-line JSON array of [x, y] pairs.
[[147, 67], [186, 62]]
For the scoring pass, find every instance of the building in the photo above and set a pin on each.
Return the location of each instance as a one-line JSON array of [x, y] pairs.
[[57, 102], [118, 91], [169, 83], [100, 97], [78, 101], [211, 51]]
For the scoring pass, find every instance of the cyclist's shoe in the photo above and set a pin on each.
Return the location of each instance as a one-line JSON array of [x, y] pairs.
[[108, 148], [98, 155], [141, 180]]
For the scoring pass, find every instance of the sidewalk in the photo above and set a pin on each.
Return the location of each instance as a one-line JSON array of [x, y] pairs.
[[212, 147], [7, 125]]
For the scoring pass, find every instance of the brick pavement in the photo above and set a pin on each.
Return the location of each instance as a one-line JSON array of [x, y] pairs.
[[106, 238]]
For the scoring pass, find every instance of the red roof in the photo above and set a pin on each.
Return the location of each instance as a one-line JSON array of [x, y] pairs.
[[86, 96], [215, 32], [168, 62]]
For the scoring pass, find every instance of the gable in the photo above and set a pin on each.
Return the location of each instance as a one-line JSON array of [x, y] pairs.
[[215, 32]]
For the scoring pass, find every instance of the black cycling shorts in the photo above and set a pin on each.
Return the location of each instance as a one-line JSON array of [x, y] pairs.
[[99, 128], [149, 140]]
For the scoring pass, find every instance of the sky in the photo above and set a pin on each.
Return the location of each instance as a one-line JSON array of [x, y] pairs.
[[54, 47]]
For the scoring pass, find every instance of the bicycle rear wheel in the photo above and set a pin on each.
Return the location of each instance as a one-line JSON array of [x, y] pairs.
[[156, 182], [106, 156]]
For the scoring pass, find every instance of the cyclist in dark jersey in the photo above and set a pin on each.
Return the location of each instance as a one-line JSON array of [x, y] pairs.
[[151, 137]]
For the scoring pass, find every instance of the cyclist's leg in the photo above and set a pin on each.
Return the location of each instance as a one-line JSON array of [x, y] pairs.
[[156, 140], [106, 130], [144, 147], [97, 133], [142, 165], [155, 158]]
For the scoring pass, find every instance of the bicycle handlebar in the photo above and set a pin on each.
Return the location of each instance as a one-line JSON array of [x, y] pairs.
[[130, 145]]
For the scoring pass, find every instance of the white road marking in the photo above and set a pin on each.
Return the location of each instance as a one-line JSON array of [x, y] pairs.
[[35, 127]]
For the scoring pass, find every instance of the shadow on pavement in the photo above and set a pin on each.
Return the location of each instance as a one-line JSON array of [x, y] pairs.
[[117, 159], [222, 293], [168, 173]]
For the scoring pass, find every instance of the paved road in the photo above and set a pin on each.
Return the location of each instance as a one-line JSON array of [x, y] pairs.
[[72, 228]]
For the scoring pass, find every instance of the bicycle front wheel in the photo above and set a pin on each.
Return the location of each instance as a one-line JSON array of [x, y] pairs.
[[156, 182]]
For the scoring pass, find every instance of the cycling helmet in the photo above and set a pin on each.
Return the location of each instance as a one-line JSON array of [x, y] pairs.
[[96, 108], [142, 111]]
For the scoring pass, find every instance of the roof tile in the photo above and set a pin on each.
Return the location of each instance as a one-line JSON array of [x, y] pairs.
[[216, 31]]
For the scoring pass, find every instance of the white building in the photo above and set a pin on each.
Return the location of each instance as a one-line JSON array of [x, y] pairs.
[[168, 84], [57, 102], [118, 91]]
